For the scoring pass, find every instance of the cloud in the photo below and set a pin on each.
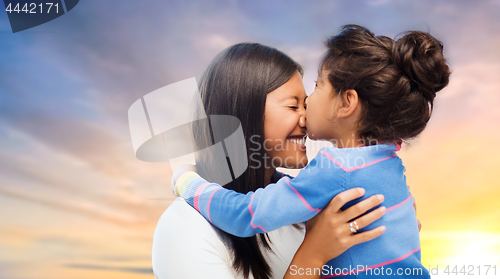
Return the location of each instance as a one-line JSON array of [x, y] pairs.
[[379, 2], [470, 99], [71, 206], [59, 174], [142, 270]]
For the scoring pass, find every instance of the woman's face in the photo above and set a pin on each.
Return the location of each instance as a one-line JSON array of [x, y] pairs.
[[284, 125]]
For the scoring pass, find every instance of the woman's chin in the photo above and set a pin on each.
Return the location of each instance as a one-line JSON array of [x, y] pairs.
[[303, 163], [296, 164], [288, 159]]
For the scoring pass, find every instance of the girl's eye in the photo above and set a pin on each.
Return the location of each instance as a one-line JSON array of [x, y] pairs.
[[293, 107], [315, 83]]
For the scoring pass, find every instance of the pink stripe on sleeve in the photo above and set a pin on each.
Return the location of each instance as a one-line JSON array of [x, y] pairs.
[[301, 198], [208, 206], [251, 213], [197, 194]]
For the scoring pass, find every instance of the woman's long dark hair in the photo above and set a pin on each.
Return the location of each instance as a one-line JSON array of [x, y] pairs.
[[236, 83]]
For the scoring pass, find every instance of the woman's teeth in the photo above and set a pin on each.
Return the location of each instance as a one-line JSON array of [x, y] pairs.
[[300, 141]]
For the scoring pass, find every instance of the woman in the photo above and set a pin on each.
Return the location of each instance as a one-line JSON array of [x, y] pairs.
[[263, 88]]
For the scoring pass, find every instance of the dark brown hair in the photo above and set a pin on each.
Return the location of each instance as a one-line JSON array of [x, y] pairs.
[[236, 83], [396, 81]]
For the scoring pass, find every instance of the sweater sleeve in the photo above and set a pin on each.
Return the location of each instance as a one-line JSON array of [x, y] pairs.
[[286, 202]]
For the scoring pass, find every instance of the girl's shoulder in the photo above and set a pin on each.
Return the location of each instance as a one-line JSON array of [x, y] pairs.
[[353, 158], [377, 148]]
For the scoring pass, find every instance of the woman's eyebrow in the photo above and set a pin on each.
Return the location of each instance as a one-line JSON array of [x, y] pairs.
[[292, 97]]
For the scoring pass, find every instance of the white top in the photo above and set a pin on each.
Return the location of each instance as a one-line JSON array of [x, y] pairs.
[[185, 245]]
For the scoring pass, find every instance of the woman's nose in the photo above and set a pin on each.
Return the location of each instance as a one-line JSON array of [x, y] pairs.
[[302, 121]]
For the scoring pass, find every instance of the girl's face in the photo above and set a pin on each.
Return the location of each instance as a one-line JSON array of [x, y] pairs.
[[322, 107], [284, 125]]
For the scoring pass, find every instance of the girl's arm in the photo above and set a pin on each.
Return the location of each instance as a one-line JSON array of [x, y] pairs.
[[286, 202]]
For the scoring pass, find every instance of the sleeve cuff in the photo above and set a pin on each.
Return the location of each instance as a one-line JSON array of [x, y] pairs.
[[183, 183]]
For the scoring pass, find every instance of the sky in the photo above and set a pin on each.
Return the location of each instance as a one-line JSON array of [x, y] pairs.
[[75, 201]]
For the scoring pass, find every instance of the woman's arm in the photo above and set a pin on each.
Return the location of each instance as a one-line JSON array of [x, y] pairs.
[[328, 234]]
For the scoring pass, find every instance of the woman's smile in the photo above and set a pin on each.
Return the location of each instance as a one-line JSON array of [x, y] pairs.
[[299, 140], [284, 125]]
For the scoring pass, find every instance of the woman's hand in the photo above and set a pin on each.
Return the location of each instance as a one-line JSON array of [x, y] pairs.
[[415, 206], [328, 234]]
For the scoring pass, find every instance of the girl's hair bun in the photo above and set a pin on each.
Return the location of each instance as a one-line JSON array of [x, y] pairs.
[[420, 57], [396, 81]]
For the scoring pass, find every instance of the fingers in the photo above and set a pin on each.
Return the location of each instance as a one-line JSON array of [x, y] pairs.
[[366, 236], [341, 199], [362, 206], [370, 217], [415, 207]]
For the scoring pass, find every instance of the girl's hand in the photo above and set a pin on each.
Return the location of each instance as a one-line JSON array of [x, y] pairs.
[[179, 172], [328, 234]]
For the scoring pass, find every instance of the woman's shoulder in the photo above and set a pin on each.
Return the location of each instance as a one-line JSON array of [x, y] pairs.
[[182, 223], [184, 242], [184, 217]]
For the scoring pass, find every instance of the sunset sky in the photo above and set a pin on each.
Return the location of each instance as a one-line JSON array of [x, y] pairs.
[[75, 201]]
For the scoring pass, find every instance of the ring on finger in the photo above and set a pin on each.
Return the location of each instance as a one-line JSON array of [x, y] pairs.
[[353, 226]]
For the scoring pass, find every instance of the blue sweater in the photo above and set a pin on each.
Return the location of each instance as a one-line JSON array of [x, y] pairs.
[[375, 168]]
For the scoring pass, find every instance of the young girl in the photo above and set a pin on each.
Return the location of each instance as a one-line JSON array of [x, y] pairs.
[[372, 92]]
